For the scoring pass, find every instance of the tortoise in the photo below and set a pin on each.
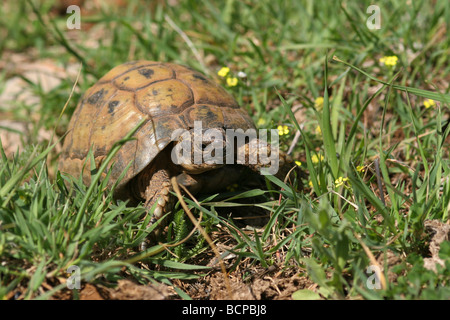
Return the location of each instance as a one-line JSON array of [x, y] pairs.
[[166, 97]]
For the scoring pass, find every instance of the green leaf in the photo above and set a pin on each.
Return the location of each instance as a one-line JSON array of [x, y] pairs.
[[318, 275], [444, 251], [179, 265], [305, 294]]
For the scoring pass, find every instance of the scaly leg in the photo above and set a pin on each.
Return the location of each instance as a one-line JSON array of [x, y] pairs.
[[153, 185]]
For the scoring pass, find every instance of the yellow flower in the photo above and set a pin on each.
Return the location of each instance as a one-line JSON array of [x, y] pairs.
[[223, 72], [389, 61], [282, 130], [318, 103], [232, 187], [340, 181], [429, 103], [298, 163], [316, 159], [261, 122], [318, 130], [232, 81], [360, 168], [311, 184]]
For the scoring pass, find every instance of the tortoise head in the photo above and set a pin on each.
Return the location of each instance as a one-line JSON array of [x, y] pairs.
[[197, 151]]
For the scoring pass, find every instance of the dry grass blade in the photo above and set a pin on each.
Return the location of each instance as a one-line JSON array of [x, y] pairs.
[[379, 270], [204, 234], [188, 42]]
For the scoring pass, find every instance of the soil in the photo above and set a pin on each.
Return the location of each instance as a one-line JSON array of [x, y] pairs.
[[263, 284]]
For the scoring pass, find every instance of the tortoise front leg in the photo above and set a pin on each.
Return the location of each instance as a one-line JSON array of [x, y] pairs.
[[157, 192], [154, 187]]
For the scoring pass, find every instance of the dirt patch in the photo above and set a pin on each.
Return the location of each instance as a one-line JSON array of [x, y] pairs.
[[15, 135], [248, 284], [128, 290], [263, 284], [439, 233], [124, 290]]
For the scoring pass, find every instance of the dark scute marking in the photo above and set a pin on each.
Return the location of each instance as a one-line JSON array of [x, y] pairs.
[[126, 78], [112, 105], [100, 151], [146, 72], [211, 114], [199, 76], [183, 119], [155, 92], [96, 96]]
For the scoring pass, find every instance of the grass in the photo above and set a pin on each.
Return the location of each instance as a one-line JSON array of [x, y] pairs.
[[377, 169]]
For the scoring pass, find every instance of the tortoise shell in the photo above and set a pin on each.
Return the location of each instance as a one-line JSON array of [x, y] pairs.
[[166, 95]]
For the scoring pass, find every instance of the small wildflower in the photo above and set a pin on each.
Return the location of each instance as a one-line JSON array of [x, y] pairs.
[[360, 168], [298, 163], [318, 103], [232, 187], [232, 81], [261, 122], [223, 72], [310, 183], [429, 103], [316, 159], [389, 61], [242, 74], [318, 130], [282, 130], [340, 181]]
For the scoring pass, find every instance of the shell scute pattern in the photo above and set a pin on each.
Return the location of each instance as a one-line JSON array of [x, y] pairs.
[[167, 95]]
